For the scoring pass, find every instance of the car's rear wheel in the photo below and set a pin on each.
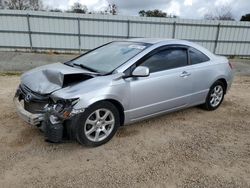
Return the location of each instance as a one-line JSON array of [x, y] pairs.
[[215, 96], [98, 124]]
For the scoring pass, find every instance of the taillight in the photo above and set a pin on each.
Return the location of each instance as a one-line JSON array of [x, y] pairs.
[[230, 64]]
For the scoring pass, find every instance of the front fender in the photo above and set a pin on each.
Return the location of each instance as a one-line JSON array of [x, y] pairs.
[[86, 102]]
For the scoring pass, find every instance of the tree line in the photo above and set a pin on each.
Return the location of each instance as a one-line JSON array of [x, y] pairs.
[[37, 5], [221, 13]]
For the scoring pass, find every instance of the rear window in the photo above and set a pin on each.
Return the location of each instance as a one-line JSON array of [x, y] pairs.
[[197, 57]]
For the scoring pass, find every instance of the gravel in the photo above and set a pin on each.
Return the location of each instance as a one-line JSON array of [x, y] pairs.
[[189, 148]]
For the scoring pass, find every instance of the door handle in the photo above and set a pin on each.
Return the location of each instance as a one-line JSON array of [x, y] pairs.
[[185, 74]]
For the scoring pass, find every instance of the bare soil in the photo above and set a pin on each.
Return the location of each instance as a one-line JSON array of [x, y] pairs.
[[189, 148]]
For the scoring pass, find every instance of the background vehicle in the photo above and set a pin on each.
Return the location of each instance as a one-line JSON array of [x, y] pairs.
[[89, 97]]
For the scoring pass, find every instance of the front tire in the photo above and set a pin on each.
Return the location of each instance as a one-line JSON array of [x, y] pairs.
[[98, 124], [215, 96]]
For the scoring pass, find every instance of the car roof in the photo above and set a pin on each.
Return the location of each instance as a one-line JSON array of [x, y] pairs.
[[165, 41], [155, 40], [159, 42]]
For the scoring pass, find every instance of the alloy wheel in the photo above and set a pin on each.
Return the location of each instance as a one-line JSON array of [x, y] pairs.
[[216, 96], [99, 125]]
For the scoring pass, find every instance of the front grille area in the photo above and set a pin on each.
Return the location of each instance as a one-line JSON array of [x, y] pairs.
[[33, 102], [34, 107]]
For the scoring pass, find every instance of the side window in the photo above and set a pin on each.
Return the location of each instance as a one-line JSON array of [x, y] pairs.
[[197, 57], [166, 59]]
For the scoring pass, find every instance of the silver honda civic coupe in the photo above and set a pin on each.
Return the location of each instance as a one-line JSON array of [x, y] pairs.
[[121, 82]]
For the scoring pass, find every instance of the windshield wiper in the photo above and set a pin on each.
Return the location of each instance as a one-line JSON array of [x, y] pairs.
[[85, 67]]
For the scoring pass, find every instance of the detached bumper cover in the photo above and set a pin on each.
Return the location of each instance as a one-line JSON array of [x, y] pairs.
[[33, 119]]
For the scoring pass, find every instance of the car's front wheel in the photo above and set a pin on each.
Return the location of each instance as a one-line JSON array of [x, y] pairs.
[[98, 124], [215, 96]]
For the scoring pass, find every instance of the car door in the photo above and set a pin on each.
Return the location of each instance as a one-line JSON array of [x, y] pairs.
[[166, 88], [201, 70]]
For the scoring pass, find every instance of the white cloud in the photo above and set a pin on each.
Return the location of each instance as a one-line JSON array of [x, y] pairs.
[[62, 4], [93, 5], [222, 2], [174, 8], [202, 10], [188, 2]]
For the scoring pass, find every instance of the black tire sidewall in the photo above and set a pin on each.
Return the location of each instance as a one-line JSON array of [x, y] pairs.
[[79, 124], [208, 106]]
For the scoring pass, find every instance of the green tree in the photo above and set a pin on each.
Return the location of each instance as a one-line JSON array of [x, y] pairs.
[[55, 10], [142, 13], [23, 4], [78, 8], [245, 17], [112, 9], [155, 13]]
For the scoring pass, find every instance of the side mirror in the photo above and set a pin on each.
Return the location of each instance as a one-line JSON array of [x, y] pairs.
[[141, 71]]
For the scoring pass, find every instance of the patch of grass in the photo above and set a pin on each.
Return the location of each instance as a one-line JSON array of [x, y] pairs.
[[10, 73]]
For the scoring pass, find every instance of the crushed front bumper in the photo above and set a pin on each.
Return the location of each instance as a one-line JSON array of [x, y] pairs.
[[55, 126], [33, 119], [53, 132]]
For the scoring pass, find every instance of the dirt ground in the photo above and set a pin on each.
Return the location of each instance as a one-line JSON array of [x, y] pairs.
[[190, 148]]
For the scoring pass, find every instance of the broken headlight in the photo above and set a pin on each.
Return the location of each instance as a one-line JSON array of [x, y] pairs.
[[63, 109]]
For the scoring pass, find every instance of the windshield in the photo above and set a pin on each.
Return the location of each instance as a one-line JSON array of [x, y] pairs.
[[109, 57]]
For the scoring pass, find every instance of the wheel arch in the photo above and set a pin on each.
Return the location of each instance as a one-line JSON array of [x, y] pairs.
[[223, 80], [119, 107]]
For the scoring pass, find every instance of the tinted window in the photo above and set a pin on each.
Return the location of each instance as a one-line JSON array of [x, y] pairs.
[[197, 56], [166, 59]]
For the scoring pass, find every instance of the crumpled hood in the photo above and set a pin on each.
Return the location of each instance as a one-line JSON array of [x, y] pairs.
[[49, 78]]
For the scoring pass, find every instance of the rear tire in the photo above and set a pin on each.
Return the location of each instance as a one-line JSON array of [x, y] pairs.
[[215, 96], [97, 125]]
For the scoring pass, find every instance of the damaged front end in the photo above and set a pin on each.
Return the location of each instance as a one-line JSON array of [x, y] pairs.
[[44, 112], [30, 105], [56, 114], [36, 105]]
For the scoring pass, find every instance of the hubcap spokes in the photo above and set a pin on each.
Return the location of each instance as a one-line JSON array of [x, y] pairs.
[[216, 96], [99, 125]]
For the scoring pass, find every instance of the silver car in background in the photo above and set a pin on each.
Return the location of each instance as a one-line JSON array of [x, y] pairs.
[[119, 83]]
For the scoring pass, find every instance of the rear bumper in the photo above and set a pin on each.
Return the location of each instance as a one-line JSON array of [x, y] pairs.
[[33, 119], [229, 82]]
